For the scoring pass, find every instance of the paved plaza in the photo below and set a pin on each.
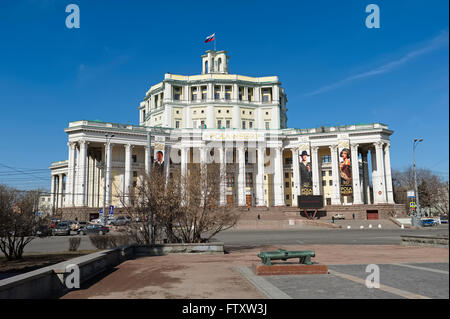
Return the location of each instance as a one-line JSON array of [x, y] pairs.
[[405, 272]]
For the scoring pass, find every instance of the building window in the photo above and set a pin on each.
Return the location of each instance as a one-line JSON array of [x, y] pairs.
[[216, 92], [203, 111], [230, 180], [250, 112], [203, 96], [243, 112], [218, 111], [134, 173], [286, 175], [287, 196], [228, 123], [288, 161], [326, 158], [324, 173], [228, 111], [202, 124], [264, 177], [177, 124], [250, 124], [330, 182], [248, 179], [287, 185], [324, 183], [219, 123], [243, 124], [265, 98], [328, 201], [330, 173], [178, 112], [267, 113], [134, 158], [267, 125]]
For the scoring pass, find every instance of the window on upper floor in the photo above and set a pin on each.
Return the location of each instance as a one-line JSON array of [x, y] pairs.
[[250, 124], [228, 123], [216, 92], [134, 157], [267, 125], [243, 125], [326, 158], [177, 124], [219, 123]]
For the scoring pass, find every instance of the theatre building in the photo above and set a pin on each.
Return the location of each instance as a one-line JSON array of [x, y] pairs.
[[240, 122]]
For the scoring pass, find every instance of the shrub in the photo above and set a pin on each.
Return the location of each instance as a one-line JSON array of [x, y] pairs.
[[74, 243], [110, 241]]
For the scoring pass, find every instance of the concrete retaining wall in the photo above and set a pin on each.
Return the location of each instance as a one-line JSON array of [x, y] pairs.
[[49, 282], [425, 241]]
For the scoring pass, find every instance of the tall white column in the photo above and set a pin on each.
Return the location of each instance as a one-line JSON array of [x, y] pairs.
[[184, 160], [210, 93], [70, 189], [336, 197], [278, 178], [235, 93], [296, 172], [60, 190], [387, 162], [355, 175], [260, 198], [241, 176], [316, 186], [380, 180], [127, 179], [257, 94], [375, 184], [108, 158], [223, 175], [210, 116], [82, 173], [53, 192], [366, 184]]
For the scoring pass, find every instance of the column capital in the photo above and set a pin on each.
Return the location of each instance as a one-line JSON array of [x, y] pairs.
[[129, 146], [354, 145], [378, 144], [83, 142], [71, 144], [387, 145], [333, 147], [314, 148]]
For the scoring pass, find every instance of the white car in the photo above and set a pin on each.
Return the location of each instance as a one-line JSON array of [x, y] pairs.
[[339, 216]]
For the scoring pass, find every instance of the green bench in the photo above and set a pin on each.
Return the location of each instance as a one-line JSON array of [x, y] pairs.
[[304, 256]]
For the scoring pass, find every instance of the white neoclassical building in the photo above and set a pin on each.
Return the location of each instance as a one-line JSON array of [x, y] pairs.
[[237, 121]]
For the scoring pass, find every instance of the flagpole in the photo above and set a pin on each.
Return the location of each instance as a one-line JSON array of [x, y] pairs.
[[214, 43]]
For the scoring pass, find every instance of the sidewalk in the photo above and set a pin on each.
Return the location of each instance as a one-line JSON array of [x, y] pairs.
[[215, 276]]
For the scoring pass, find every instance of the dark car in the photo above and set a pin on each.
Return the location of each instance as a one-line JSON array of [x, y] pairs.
[[62, 228], [42, 231], [93, 229]]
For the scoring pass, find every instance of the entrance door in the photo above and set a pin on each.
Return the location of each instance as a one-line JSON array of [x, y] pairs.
[[248, 200], [372, 214], [230, 199]]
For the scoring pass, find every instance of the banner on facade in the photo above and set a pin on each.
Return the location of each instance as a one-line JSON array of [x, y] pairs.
[[235, 136], [304, 152], [159, 148], [345, 168]]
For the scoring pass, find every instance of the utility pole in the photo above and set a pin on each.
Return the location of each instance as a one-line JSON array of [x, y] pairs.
[[418, 212], [149, 171], [105, 175]]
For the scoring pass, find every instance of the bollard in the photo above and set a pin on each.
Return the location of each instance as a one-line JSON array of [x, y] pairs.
[[370, 225], [379, 225], [348, 227], [361, 227]]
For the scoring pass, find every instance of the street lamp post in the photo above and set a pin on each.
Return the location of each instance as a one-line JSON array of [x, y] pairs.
[[108, 140], [416, 142]]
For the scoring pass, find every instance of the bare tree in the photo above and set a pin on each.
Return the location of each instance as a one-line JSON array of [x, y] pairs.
[[18, 220], [181, 208], [433, 192]]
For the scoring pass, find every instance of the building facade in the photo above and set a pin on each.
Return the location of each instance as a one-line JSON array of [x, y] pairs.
[[237, 121]]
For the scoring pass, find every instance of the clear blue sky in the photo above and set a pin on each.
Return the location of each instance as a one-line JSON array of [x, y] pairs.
[[335, 70]]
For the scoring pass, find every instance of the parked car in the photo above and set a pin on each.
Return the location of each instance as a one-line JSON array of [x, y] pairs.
[[444, 220], [429, 222], [119, 221], [96, 221], [93, 229], [339, 216], [62, 228], [43, 230]]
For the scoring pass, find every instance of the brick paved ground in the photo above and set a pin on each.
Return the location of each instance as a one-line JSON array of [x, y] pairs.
[[215, 276]]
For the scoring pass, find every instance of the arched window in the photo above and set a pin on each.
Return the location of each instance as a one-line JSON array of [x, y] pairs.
[[219, 64], [206, 67]]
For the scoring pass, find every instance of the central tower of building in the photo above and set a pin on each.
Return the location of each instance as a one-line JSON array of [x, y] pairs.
[[215, 99]]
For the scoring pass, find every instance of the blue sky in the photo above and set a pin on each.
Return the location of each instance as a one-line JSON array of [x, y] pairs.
[[335, 70]]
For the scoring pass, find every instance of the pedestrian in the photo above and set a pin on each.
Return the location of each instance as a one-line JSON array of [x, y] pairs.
[[353, 215], [259, 217], [332, 219]]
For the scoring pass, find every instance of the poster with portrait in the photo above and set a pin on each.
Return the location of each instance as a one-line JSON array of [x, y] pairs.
[[158, 153], [304, 153], [345, 168]]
